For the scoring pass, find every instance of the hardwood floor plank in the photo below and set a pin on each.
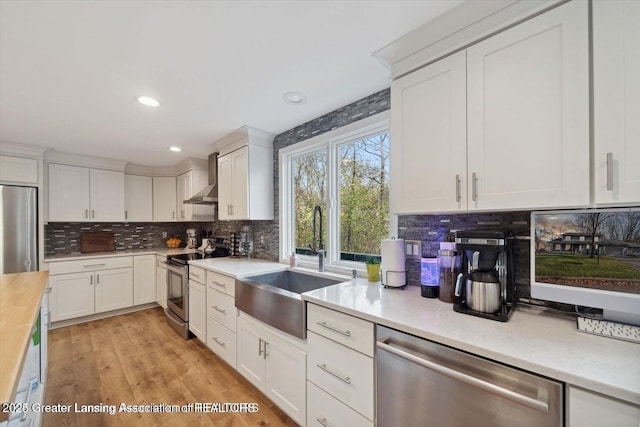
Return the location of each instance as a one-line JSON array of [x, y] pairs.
[[137, 359]]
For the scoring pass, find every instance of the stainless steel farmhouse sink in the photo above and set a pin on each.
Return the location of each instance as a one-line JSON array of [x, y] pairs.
[[275, 298]]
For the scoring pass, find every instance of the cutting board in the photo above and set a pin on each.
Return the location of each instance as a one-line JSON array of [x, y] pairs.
[[97, 242]]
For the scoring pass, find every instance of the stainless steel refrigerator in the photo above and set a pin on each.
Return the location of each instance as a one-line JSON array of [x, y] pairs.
[[19, 228]]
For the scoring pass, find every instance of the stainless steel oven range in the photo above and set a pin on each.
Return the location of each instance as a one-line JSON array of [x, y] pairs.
[[177, 310]]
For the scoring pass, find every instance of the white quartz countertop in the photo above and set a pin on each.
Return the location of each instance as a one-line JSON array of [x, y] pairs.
[[130, 252], [533, 339], [238, 267]]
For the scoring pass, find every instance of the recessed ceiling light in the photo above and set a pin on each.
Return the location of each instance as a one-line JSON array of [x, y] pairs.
[[294, 98], [176, 149], [148, 101]]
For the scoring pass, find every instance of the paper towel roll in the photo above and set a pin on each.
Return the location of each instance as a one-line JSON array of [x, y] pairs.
[[392, 267]]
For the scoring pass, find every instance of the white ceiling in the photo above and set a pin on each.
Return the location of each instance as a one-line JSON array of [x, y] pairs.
[[69, 70]]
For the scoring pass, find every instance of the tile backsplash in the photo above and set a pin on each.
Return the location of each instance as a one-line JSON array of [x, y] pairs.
[[433, 229]]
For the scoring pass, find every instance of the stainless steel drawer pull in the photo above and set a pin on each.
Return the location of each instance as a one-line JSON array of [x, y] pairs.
[[322, 422], [458, 188], [93, 265], [260, 347], [323, 366], [609, 171], [220, 343], [86, 213], [467, 379], [346, 333], [97, 279], [222, 285], [474, 186], [91, 279], [221, 310], [93, 213], [195, 275]]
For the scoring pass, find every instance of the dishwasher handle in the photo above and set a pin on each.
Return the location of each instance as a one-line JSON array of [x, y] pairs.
[[464, 378]]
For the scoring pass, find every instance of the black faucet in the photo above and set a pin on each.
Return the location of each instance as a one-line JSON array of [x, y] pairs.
[[319, 250]]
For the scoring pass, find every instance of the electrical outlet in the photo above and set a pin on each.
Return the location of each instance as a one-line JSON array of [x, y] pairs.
[[164, 234], [413, 249]]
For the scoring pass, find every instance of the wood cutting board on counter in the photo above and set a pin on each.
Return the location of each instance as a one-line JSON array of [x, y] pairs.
[[97, 242]]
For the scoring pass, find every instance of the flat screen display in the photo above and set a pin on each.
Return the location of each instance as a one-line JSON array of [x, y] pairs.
[[595, 249]]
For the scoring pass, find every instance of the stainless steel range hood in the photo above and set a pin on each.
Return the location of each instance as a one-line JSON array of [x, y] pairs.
[[209, 194]]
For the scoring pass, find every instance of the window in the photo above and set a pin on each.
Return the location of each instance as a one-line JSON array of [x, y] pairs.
[[346, 174]]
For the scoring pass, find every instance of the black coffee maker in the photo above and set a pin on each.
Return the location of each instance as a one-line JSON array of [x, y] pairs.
[[486, 286]]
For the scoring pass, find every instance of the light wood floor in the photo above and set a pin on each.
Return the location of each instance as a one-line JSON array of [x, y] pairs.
[[138, 359]]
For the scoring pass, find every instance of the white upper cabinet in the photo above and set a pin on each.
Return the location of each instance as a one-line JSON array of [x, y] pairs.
[[138, 198], [429, 138], [164, 198], [245, 175], [507, 130], [82, 194], [188, 184], [528, 114], [18, 169], [616, 101]]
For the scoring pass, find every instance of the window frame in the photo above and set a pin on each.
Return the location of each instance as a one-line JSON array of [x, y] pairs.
[[329, 142]]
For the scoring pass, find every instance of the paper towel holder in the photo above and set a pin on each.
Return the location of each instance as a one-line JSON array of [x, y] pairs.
[[386, 274]]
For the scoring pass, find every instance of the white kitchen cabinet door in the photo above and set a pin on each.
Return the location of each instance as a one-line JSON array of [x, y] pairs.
[[184, 190], [144, 279], [113, 289], [251, 360], [616, 101], [324, 409], [286, 377], [245, 184], [589, 409], [138, 198], [19, 170], [68, 193], [161, 281], [106, 195], [198, 310], [429, 134], [528, 114], [221, 341], [72, 295], [164, 199]]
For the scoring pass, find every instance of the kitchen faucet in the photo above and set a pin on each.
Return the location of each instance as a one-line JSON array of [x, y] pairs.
[[319, 250]]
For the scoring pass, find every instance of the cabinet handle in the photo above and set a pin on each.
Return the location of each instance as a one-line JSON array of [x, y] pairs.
[[220, 343], [322, 421], [97, 279], [260, 347], [457, 188], [474, 186], [609, 171], [265, 353], [323, 366], [126, 214], [47, 290], [222, 285], [346, 333], [195, 275], [91, 279], [173, 214], [93, 265], [86, 213], [221, 310]]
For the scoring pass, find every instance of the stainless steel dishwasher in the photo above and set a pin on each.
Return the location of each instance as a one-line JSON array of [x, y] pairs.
[[421, 383]]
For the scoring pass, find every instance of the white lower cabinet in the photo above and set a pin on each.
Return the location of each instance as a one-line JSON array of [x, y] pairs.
[[222, 316], [81, 294], [586, 409], [144, 279], [324, 410], [161, 281], [198, 309], [274, 364], [340, 369]]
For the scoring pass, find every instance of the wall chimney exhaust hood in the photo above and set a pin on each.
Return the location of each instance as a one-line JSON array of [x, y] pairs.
[[209, 194]]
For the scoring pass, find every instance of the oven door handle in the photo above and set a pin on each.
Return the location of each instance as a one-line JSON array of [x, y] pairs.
[[176, 267], [173, 317]]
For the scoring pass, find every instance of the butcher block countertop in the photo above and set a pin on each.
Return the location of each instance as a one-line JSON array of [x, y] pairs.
[[20, 296]]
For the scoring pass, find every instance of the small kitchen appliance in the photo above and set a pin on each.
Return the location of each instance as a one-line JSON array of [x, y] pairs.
[[429, 277], [192, 238], [486, 286]]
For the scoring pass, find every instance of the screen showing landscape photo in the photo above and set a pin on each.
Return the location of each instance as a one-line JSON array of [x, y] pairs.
[[596, 249]]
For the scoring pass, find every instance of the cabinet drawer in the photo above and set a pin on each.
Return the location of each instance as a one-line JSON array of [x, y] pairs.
[[221, 341], [325, 410], [221, 308], [92, 264], [224, 284], [198, 274], [342, 372], [342, 328]]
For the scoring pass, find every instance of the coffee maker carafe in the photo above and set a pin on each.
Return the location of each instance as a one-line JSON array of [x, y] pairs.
[[486, 287]]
